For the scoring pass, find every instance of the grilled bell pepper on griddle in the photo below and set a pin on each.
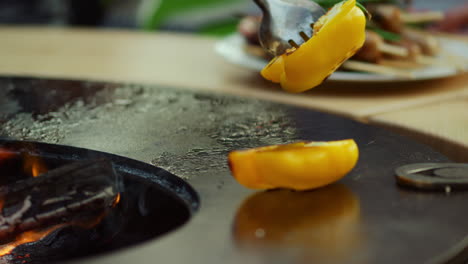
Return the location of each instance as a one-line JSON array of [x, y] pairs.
[[297, 166], [337, 36]]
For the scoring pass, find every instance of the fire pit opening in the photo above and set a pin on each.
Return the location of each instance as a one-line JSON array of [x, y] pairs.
[[59, 203]]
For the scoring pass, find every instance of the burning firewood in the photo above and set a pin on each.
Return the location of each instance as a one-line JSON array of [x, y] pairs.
[[67, 194]]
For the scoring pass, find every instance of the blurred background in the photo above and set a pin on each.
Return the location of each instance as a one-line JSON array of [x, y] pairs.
[[212, 17]]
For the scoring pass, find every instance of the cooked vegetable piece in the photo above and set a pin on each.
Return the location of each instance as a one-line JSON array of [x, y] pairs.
[[370, 50], [414, 50], [429, 44], [298, 166], [337, 36], [387, 17]]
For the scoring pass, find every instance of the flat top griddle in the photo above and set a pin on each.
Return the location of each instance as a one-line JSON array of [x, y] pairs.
[[364, 218]]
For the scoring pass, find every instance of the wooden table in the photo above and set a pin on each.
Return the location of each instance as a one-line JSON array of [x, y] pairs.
[[434, 112]]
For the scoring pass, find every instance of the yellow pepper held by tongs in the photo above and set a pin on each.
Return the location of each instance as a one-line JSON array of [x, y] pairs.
[[337, 36]]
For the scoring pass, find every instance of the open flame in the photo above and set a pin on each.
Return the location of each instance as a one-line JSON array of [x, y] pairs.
[[26, 237], [36, 235], [34, 166], [116, 200]]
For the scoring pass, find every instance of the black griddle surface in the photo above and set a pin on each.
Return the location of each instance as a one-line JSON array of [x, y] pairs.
[[366, 218]]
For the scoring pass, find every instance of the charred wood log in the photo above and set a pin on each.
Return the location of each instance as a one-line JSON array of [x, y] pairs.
[[67, 194]]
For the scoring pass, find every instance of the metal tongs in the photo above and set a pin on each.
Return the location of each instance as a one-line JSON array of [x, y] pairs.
[[287, 23]]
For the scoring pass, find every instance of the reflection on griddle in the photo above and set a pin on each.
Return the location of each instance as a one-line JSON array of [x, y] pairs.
[[320, 226]]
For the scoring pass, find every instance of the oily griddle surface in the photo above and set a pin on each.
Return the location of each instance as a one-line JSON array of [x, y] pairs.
[[366, 218]]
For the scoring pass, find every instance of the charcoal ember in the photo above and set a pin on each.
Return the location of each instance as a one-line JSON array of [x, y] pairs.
[[60, 244], [67, 243], [69, 194]]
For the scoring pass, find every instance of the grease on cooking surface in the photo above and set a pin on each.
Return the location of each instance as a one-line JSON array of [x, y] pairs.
[[133, 120]]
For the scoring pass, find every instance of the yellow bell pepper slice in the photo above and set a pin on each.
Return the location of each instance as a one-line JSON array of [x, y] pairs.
[[298, 166], [338, 35]]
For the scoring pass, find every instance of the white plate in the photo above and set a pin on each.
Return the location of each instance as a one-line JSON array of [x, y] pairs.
[[232, 49]]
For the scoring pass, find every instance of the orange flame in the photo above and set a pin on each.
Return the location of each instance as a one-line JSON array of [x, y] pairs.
[[34, 166], [6, 154], [36, 235], [116, 200], [26, 237]]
